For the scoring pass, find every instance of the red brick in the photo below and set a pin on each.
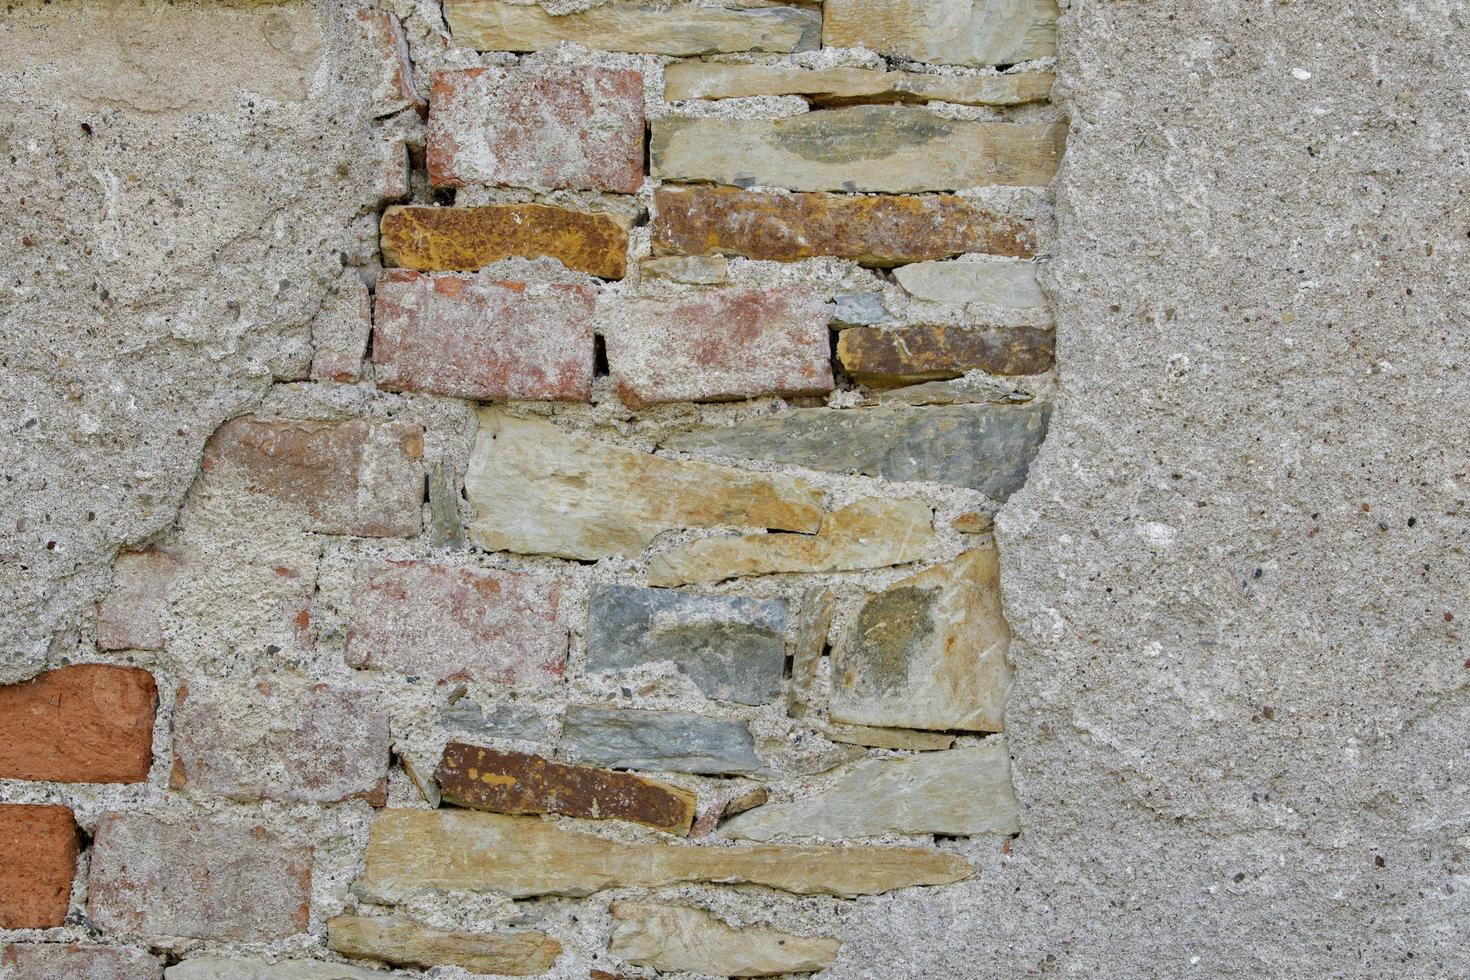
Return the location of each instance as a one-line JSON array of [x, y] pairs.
[[475, 623], [131, 617], [353, 477], [340, 331], [56, 961], [38, 856], [321, 744], [88, 723], [718, 345], [469, 337], [393, 89], [198, 878], [566, 126]]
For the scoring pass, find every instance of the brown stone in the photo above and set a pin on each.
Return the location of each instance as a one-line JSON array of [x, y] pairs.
[[465, 239], [845, 86], [353, 477], [87, 723], [909, 355], [469, 336], [974, 522], [718, 345], [202, 879], [131, 617], [518, 782], [59, 961], [38, 856], [874, 231], [413, 852], [403, 942]]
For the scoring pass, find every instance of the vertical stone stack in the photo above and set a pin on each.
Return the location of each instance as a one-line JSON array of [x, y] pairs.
[[632, 533]]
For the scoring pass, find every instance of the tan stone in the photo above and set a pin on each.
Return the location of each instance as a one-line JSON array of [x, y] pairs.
[[452, 239], [888, 738], [403, 942], [693, 270], [882, 149], [676, 939], [875, 231], [707, 80], [908, 355], [818, 606], [994, 281], [928, 652], [683, 29], [954, 32], [961, 792], [870, 533], [411, 852], [538, 489], [974, 522]]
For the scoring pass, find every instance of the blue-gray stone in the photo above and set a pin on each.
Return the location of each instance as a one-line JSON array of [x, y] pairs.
[[500, 721], [667, 741], [732, 647], [860, 309]]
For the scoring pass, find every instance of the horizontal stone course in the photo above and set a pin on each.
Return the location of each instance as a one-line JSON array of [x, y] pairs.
[[995, 282], [85, 723], [39, 849], [229, 968], [678, 939], [664, 741], [915, 354], [464, 239], [843, 86], [62, 961], [403, 942], [954, 32]]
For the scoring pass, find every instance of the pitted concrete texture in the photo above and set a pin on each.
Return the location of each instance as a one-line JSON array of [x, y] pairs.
[[1237, 574]]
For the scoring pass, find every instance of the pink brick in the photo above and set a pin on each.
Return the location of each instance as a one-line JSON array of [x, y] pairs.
[[724, 344], [471, 337], [57, 961], [474, 623], [131, 617], [197, 878], [354, 477], [317, 743], [340, 331], [566, 126], [393, 89]]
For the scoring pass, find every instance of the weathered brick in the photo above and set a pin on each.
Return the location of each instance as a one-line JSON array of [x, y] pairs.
[[884, 358], [875, 231], [340, 331], [470, 337], [465, 239], [38, 855], [352, 477], [131, 617], [57, 961], [87, 723], [565, 126], [731, 343], [954, 32], [393, 88], [878, 148], [518, 782], [200, 879], [283, 740], [482, 624]]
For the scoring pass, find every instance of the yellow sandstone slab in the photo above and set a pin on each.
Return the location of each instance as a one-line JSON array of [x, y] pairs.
[[708, 80], [403, 942]]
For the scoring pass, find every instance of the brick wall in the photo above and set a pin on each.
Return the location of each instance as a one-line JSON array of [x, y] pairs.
[[614, 591]]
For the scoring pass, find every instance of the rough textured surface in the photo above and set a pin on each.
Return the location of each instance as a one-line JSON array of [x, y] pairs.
[[412, 852], [58, 961], [39, 845], [500, 721], [878, 231], [911, 355], [470, 238], [89, 723], [474, 337], [402, 942], [665, 741], [677, 939], [131, 617], [956, 32], [703, 80], [225, 968], [994, 282], [518, 782], [886, 149]]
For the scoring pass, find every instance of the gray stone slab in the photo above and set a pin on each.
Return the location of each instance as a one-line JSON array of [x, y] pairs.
[[666, 741], [985, 447], [732, 647], [498, 721]]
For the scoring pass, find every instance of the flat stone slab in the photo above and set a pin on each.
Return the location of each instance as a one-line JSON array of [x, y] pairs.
[[873, 231], [928, 652], [413, 852], [1009, 284], [708, 80], [666, 741], [912, 355], [499, 721], [870, 533], [538, 489], [403, 942], [464, 239], [958, 793], [682, 29], [678, 939], [949, 32], [733, 648], [881, 149], [518, 782], [222, 968], [61, 961], [984, 447]]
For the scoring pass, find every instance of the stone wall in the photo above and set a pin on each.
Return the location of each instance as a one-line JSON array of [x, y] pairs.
[[593, 570]]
